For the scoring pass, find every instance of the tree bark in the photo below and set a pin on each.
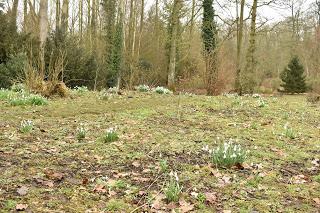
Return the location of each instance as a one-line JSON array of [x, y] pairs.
[[14, 13], [240, 23], [25, 14], [64, 17], [177, 5], [43, 15], [248, 81]]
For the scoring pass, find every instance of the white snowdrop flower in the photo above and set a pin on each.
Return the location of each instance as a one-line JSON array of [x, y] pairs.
[[205, 148], [176, 176], [233, 155], [224, 156], [211, 151]]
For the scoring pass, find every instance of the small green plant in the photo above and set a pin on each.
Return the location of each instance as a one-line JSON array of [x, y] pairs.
[[114, 205], [113, 90], [173, 188], [120, 184], [18, 88], [317, 178], [143, 88], [201, 198], [26, 126], [81, 132], [288, 132], [111, 135], [162, 90], [261, 103], [237, 101], [227, 154], [81, 89], [256, 96], [164, 165]]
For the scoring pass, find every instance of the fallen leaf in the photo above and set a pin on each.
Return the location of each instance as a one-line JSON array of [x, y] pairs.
[[112, 193], [226, 211], [279, 152], [141, 179], [317, 201], [158, 202], [99, 188], [136, 164], [316, 162], [141, 193], [211, 197], [22, 190], [185, 206], [48, 183], [299, 179], [194, 194], [21, 207], [54, 175], [85, 181]]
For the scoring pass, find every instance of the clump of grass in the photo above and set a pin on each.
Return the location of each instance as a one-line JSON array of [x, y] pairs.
[[163, 165], [143, 88], [18, 88], [104, 95], [227, 154], [288, 132], [25, 99], [26, 126], [5, 94], [114, 205], [173, 189], [111, 135], [162, 90], [81, 133]]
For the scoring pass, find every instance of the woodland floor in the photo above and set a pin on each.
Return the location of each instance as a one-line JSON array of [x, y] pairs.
[[50, 171]]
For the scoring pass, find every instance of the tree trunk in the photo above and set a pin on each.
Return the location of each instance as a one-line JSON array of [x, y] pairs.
[[93, 26], [141, 28], [64, 17], [25, 14], [177, 5], [58, 13], [14, 12], [248, 81], [81, 18], [43, 15], [240, 23]]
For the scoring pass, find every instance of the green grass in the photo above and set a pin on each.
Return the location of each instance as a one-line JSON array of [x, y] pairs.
[[162, 138]]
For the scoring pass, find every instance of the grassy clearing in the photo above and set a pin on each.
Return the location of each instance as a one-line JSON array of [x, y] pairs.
[[62, 173]]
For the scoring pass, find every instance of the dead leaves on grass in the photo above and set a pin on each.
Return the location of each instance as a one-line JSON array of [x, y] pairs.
[[159, 204], [23, 190], [21, 207]]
